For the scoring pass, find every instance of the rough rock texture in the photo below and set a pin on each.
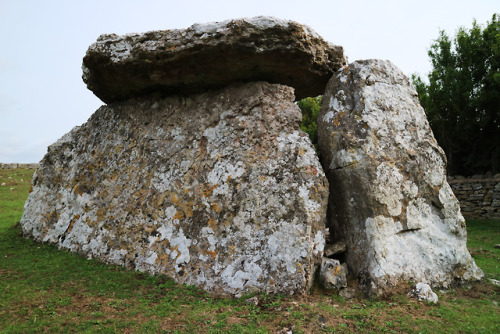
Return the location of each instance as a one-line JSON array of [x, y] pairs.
[[389, 198], [334, 249], [205, 56], [332, 274], [219, 190]]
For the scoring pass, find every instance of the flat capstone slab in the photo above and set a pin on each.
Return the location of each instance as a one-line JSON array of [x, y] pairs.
[[209, 56]]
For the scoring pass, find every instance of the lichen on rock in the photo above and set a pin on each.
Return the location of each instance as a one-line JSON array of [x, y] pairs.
[[208, 56], [389, 197], [219, 190]]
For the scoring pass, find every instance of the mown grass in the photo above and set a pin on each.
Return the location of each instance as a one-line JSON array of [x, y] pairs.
[[43, 289]]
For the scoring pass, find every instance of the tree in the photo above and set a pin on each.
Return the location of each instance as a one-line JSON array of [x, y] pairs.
[[310, 107], [462, 99]]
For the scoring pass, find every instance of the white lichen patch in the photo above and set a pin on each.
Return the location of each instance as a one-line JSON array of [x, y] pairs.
[[319, 243], [345, 158], [387, 188]]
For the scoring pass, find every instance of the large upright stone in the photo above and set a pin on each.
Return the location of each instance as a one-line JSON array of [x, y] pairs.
[[390, 200], [219, 190], [205, 56]]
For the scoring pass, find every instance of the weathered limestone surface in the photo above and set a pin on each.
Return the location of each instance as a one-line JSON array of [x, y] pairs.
[[390, 200], [219, 190], [205, 56]]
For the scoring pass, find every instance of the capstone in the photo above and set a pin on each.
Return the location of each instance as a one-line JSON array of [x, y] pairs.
[[208, 56], [389, 198]]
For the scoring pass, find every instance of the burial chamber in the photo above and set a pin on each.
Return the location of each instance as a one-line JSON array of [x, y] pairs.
[[196, 167]]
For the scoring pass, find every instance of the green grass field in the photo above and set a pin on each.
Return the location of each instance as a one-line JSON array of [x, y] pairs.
[[43, 289]]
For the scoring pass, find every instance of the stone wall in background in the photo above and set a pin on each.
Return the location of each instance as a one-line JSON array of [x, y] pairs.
[[479, 195], [23, 166]]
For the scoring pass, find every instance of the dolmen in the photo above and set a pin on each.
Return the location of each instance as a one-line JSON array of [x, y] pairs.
[[196, 167]]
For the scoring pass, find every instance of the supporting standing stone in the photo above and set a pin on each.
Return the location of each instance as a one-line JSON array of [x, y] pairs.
[[219, 190], [390, 200]]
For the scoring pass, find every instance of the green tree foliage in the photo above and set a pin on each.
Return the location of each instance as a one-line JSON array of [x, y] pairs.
[[462, 99], [310, 107]]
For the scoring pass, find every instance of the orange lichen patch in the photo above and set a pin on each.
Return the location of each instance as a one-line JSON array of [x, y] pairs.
[[174, 198], [212, 224], [231, 250], [212, 253], [158, 199], [338, 116], [207, 190], [117, 192], [50, 217], [178, 215], [215, 207], [150, 229], [162, 258], [75, 218], [301, 151], [78, 190], [175, 249], [188, 209], [337, 270], [101, 213], [229, 178]]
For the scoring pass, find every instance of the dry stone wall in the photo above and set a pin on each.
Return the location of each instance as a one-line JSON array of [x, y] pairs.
[[479, 195], [16, 165]]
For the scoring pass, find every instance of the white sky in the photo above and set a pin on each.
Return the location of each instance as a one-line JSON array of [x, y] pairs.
[[42, 43]]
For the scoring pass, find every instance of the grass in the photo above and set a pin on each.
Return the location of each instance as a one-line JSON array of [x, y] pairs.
[[43, 289], [483, 236]]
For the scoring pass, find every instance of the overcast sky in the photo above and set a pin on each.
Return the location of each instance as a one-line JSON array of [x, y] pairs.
[[42, 95]]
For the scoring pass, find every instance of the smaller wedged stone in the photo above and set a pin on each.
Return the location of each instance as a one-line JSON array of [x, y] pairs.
[[208, 56], [423, 292], [389, 197]]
